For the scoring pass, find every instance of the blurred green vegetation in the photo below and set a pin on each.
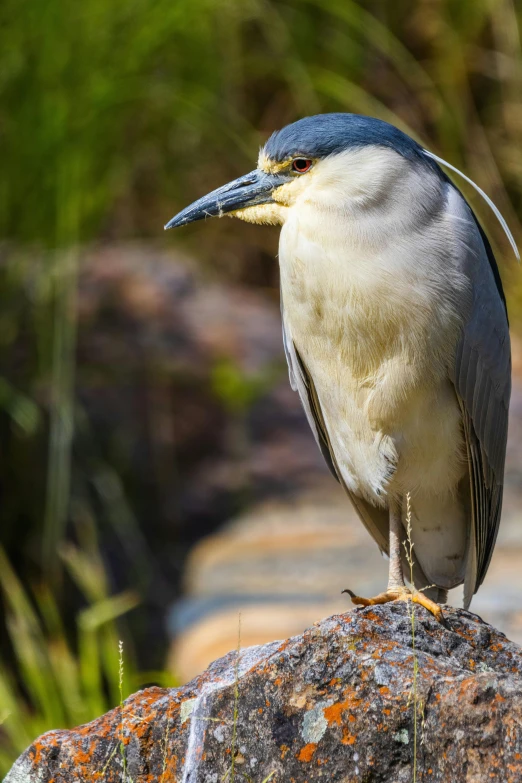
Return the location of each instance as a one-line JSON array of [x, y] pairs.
[[58, 678], [114, 115]]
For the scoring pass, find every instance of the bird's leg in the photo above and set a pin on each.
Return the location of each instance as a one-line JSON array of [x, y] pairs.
[[395, 575], [396, 587], [397, 590]]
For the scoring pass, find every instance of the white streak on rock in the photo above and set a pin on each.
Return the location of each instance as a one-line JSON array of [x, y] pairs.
[[202, 709]]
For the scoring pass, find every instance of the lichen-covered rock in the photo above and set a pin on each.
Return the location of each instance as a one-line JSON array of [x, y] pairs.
[[337, 703]]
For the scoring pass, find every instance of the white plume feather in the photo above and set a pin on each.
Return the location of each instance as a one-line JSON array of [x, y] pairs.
[[484, 196]]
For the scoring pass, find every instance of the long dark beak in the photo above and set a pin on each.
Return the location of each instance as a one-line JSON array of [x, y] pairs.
[[248, 191]]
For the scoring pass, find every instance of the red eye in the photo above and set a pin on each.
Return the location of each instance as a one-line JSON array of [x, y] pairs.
[[301, 165]]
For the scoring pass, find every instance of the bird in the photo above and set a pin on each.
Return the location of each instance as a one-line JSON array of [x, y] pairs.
[[396, 334]]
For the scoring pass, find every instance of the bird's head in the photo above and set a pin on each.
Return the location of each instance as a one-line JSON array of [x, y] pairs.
[[323, 161]]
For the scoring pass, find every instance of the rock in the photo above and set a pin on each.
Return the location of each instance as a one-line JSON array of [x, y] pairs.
[[336, 703]]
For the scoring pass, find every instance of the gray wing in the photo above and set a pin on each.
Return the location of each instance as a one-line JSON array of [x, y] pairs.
[[302, 383], [482, 379]]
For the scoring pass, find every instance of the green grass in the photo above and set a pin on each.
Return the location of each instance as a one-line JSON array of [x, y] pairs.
[[408, 546], [235, 714], [117, 109], [59, 678], [418, 705]]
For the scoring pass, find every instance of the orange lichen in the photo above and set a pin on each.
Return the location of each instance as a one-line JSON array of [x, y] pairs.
[[348, 739], [333, 714], [307, 753], [81, 757], [171, 766], [284, 750], [373, 617]]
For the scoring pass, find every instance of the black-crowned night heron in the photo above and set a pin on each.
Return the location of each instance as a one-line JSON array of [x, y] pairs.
[[396, 335]]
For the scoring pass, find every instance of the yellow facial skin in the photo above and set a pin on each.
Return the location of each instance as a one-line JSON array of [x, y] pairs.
[[285, 196], [264, 214], [271, 166]]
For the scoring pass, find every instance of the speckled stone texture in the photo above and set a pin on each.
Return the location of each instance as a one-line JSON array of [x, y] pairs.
[[335, 703]]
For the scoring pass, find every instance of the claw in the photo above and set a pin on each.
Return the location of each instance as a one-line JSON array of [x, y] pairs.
[[401, 594], [431, 606]]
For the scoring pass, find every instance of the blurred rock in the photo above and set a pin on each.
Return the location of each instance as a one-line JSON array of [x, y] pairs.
[[185, 382], [183, 418], [189, 416], [337, 703], [282, 566]]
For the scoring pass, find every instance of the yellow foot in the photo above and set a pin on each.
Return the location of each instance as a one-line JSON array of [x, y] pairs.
[[401, 594]]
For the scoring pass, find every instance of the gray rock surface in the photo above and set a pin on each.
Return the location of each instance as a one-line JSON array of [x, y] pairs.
[[337, 703]]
